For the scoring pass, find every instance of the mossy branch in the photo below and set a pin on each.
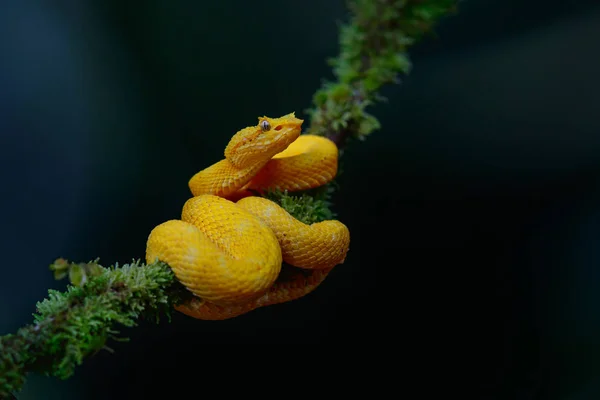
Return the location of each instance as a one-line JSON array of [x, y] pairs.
[[70, 325], [373, 53], [73, 324]]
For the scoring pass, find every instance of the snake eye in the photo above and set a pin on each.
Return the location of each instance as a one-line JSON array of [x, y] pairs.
[[265, 126]]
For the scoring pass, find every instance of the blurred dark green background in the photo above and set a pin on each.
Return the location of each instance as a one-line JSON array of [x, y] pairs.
[[474, 212]]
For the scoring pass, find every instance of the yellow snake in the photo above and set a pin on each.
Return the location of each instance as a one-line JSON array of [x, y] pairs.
[[228, 246]]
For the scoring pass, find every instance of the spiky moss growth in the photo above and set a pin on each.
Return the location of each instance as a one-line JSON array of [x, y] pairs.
[[309, 206], [373, 53], [73, 324]]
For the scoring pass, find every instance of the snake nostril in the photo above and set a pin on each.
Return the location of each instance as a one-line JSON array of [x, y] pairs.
[[278, 127]]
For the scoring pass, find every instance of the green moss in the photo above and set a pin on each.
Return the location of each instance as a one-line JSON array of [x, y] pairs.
[[309, 206], [373, 53], [72, 324]]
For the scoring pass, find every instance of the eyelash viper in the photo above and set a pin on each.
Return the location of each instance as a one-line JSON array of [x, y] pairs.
[[229, 245]]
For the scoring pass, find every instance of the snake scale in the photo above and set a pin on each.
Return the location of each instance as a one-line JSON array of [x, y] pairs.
[[229, 245]]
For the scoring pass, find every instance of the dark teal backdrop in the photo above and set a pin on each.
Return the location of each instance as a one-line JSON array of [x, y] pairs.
[[474, 212]]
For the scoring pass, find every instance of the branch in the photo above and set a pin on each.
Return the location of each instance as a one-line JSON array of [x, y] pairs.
[[373, 53], [71, 325]]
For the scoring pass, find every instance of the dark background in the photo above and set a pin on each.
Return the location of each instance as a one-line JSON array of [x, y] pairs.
[[474, 212]]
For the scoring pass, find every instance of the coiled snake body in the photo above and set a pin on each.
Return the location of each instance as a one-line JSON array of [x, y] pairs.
[[228, 246]]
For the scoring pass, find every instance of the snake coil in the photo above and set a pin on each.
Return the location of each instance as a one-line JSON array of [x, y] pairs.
[[229, 245]]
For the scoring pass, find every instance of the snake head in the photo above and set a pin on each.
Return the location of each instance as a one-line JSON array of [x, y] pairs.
[[259, 143]]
